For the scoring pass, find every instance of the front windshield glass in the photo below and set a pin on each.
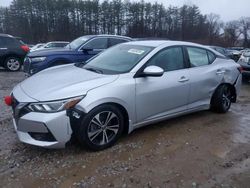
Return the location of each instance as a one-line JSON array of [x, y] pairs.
[[119, 59], [77, 42]]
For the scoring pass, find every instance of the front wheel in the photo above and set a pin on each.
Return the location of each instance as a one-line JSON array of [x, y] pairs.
[[222, 99], [101, 127]]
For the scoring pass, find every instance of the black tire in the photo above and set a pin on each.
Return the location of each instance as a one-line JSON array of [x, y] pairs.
[[222, 99], [12, 64], [88, 128]]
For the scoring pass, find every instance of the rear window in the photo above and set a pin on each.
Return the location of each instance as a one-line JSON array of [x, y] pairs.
[[115, 41]]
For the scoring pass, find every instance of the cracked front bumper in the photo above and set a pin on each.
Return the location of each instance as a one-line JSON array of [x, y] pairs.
[[48, 130]]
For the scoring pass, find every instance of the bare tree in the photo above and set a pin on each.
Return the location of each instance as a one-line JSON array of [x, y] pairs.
[[232, 32], [214, 26], [245, 30]]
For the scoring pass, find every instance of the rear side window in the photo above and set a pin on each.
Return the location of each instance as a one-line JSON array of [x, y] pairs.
[[168, 59], [115, 41], [211, 57], [60, 44], [197, 56], [10, 42], [98, 43], [2, 44]]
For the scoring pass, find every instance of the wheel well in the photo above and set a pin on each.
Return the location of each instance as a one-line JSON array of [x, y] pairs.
[[232, 88], [125, 113], [12, 55]]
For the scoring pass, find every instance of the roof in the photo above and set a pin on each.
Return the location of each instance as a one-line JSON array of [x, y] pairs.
[[5, 35], [57, 42], [157, 43], [106, 35]]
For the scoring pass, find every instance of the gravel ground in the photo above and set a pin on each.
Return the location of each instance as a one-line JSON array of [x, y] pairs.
[[198, 150]]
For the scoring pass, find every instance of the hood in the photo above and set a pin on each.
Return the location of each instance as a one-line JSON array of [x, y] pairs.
[[48, 52], [63, 82]]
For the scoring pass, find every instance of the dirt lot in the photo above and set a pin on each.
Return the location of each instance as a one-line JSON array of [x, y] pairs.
[[198, 150]]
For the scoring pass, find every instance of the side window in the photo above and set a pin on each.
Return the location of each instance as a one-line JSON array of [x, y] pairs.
[[211, 57], [168, 59], [2, 43], [115, 41], [99, 43], [10, 42], [60, 44], [197, 56], [50, 45]]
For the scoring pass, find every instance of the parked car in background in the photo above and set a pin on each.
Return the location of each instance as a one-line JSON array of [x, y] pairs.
[[244, 61], [125, 87], [79, 50], [234, 54], [51, 45], [221, 50], [12, 52], [37, 46]]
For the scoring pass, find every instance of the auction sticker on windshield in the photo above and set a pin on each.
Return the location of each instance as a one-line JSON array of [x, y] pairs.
[[136, 51]]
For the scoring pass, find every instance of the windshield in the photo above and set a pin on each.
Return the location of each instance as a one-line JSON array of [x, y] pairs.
[[77, 43], [118, 59]]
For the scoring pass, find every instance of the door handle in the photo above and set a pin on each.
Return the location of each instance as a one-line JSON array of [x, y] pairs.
[[220, 72], [183, 79]]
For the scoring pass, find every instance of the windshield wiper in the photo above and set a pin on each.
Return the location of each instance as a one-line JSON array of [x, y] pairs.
[[94, 70]]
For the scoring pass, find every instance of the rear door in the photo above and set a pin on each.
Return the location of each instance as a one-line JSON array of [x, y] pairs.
[[205, 76], [160, 96], [3, 49]]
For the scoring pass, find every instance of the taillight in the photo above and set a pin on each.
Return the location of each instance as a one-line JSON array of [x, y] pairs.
[[8, 100], [240, 69], [25, 48]]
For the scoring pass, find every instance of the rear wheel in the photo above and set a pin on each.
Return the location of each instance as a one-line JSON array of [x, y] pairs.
[[12, 64], [101, 127], [222, 99]]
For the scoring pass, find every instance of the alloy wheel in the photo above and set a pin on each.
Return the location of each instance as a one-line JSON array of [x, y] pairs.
[[103, 128], [13, 64], [226, 97]]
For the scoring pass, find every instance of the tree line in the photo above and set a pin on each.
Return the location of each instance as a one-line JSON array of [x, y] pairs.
[[46, 20]]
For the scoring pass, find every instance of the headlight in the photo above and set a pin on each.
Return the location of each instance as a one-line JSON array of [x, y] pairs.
[[37, 59], [55, 106]]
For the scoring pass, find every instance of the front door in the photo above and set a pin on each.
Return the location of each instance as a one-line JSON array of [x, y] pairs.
[[160, 96]]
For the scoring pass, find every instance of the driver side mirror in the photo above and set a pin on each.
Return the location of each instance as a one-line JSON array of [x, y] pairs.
[[153, 71]]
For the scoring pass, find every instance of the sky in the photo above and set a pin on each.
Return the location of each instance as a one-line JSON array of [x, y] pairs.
[[227, 9]]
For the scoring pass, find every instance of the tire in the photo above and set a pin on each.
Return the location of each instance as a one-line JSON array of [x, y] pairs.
[[12, 64], [222, 99], [96, 132]]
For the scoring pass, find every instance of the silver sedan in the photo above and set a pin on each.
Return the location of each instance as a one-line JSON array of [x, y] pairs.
[[125, 87]]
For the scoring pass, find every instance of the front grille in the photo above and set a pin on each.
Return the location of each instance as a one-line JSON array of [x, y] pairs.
[[14, 102], [19, 109]]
